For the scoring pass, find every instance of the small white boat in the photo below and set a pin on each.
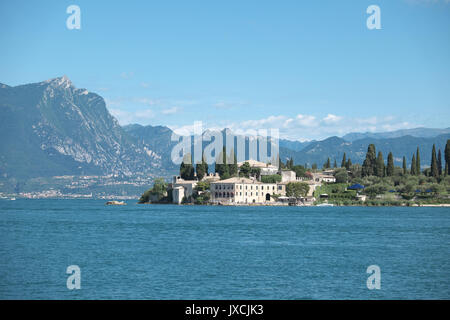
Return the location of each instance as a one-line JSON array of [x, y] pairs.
[[12, 199], [325, 205]]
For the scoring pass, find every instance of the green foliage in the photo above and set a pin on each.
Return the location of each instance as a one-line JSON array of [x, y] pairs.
[[271, 178], [245, 169], [233, 167], [418, 170], [390, 165], [202, 186], [299, 170], [201, 198], [369, 164], [447, 157], [297, 189], [202, 169], [344, 161], [439, 163], [379, 167], [157, 193], [186, 168], [327, 164], [341, 175], [255, 172], [434, 164], [413, 165]]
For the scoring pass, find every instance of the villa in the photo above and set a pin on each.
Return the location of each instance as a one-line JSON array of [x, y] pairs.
[[244, 190]]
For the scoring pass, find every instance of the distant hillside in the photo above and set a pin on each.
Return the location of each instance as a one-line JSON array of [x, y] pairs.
[[334, 147], [416, 132]]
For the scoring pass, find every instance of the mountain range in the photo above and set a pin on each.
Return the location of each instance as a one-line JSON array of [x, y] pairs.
[[51, 128]]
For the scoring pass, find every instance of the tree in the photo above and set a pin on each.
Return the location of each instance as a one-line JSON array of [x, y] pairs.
[[233, 167], [434, 165], [379, 168], [348, 165], [413, 165], [447, 157], [335, 164], [255, 172], [157, 192], [418, 162], [222, 168], [405, 170], [341, 176], [290, 163], [369, 164], [299, 170], [439, 163], [344, 161], [186, 168], [245, 169], [314, 166], [327, 164], [390, 165], [297, 189], [201, 168]]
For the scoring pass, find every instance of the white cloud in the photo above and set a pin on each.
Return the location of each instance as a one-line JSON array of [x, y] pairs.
[[170, 110], [307, 127], [306, 120], [331, 118]]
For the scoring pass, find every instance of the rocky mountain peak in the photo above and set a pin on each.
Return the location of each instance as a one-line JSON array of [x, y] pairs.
[[62, 82]]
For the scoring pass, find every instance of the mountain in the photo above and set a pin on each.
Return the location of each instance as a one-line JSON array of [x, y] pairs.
[[156, 138], [294, 145], [334, 148], [416, 132], [51, 128], [55, 136]]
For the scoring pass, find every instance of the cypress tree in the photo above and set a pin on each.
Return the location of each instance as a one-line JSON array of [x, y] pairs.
[[439, 163], [390, 165], [413, 165], [344, 161], [327, 165], [222, 168], [232, 167], [447, 156], [369, 164], [335, 164], [186, 168], [348, 165], [202, 168], [405, 170], [418, 162], [434, 165], [379, 168]]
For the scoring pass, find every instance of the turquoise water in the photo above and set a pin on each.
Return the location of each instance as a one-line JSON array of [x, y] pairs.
[[187, 252]]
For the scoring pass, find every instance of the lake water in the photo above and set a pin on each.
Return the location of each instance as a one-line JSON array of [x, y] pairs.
[[201, 252]]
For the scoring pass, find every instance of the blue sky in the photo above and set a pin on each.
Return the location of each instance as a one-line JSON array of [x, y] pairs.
[[310, 68]]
